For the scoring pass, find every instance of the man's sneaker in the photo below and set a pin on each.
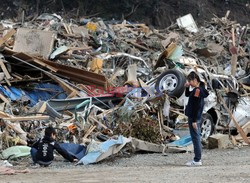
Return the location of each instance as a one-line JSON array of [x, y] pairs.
[[194, 163], [34, 165]]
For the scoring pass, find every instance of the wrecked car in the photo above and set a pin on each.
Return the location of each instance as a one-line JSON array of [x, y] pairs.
[[214, 117]]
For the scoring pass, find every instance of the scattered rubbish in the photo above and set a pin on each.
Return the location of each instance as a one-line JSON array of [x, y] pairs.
[[110, 87], [188, 23]]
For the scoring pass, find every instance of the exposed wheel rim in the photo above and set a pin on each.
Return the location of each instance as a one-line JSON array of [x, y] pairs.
[[168, 83], [206, 128]]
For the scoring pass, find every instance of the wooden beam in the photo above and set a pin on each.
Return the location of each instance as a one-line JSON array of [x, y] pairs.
[[90, 130], [72, 94], [26, 118], [240, 130], [234, 55], [69, 90], [79, 48], [98, 122], [139, 46], [38, 61], [7, 36], [41, 110], [4, 69], [4, 115], [233, 140], [4, 99]]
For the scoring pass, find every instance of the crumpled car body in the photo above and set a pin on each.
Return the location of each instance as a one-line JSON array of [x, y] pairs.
[[215, 117]]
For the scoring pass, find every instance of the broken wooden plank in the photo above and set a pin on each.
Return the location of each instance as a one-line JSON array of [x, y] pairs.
[[80, 48], [246, 87], [72, 94], [17, 76], [4, 115], [160, 120], [139, 46], [234, 54], [68, 29], [240, 130], [233, 140], [171, 37], [158, 34], [26, 118], [4, 99], [7, 81], [234, 60], [42, 109], [40, 62], [7, 36], [246, 127], [69, 113], [98, 122], [165, 54], [4, 69], [68, 89], [90, 130]]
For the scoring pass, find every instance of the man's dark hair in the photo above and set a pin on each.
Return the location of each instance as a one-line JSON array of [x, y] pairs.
[[49, 131], [193, 76]]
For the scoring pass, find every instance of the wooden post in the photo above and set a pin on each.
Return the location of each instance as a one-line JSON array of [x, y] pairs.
[[4, 69], [7, 36], [234, 55], [240, 130]]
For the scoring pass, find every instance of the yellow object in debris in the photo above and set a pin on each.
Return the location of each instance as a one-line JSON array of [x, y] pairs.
[[91, 26], [16, 140], [96, 65]]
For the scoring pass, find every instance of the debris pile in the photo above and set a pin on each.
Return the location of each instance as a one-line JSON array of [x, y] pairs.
[[95, 81]]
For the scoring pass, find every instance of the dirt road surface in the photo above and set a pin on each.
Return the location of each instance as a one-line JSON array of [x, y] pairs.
[[229, 165]]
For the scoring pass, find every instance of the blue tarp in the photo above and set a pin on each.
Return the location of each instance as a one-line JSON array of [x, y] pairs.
[[183, 142], [35, 95], [75, 150]]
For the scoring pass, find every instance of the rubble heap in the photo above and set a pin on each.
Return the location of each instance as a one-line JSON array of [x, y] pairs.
[[96, 80]]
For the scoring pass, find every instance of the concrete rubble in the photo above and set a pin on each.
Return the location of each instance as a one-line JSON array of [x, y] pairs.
[[103, 80]]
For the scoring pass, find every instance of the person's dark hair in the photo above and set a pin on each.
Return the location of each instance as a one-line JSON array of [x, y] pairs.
[[193, 76], [49, 131]]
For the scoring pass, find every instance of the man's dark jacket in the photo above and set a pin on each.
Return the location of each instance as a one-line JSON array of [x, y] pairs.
[[45, 150], [195, 104]]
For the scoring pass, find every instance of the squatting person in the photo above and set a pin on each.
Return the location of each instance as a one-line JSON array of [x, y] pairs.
[[42, 151]]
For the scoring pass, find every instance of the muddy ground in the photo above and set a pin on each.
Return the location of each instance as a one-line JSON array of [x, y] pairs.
[[229, 165]]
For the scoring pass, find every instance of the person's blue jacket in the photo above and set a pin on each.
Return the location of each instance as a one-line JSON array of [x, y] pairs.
[[195, 104]]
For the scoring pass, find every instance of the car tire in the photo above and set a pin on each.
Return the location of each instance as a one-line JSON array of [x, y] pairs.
[[171, 81], [207, 126]]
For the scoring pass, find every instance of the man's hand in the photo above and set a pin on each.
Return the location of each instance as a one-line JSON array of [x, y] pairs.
[[187, 84], [194, 124], [75, 160]]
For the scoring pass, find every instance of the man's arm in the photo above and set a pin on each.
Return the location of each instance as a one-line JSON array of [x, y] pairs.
[[35, 145], [187, 92]]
